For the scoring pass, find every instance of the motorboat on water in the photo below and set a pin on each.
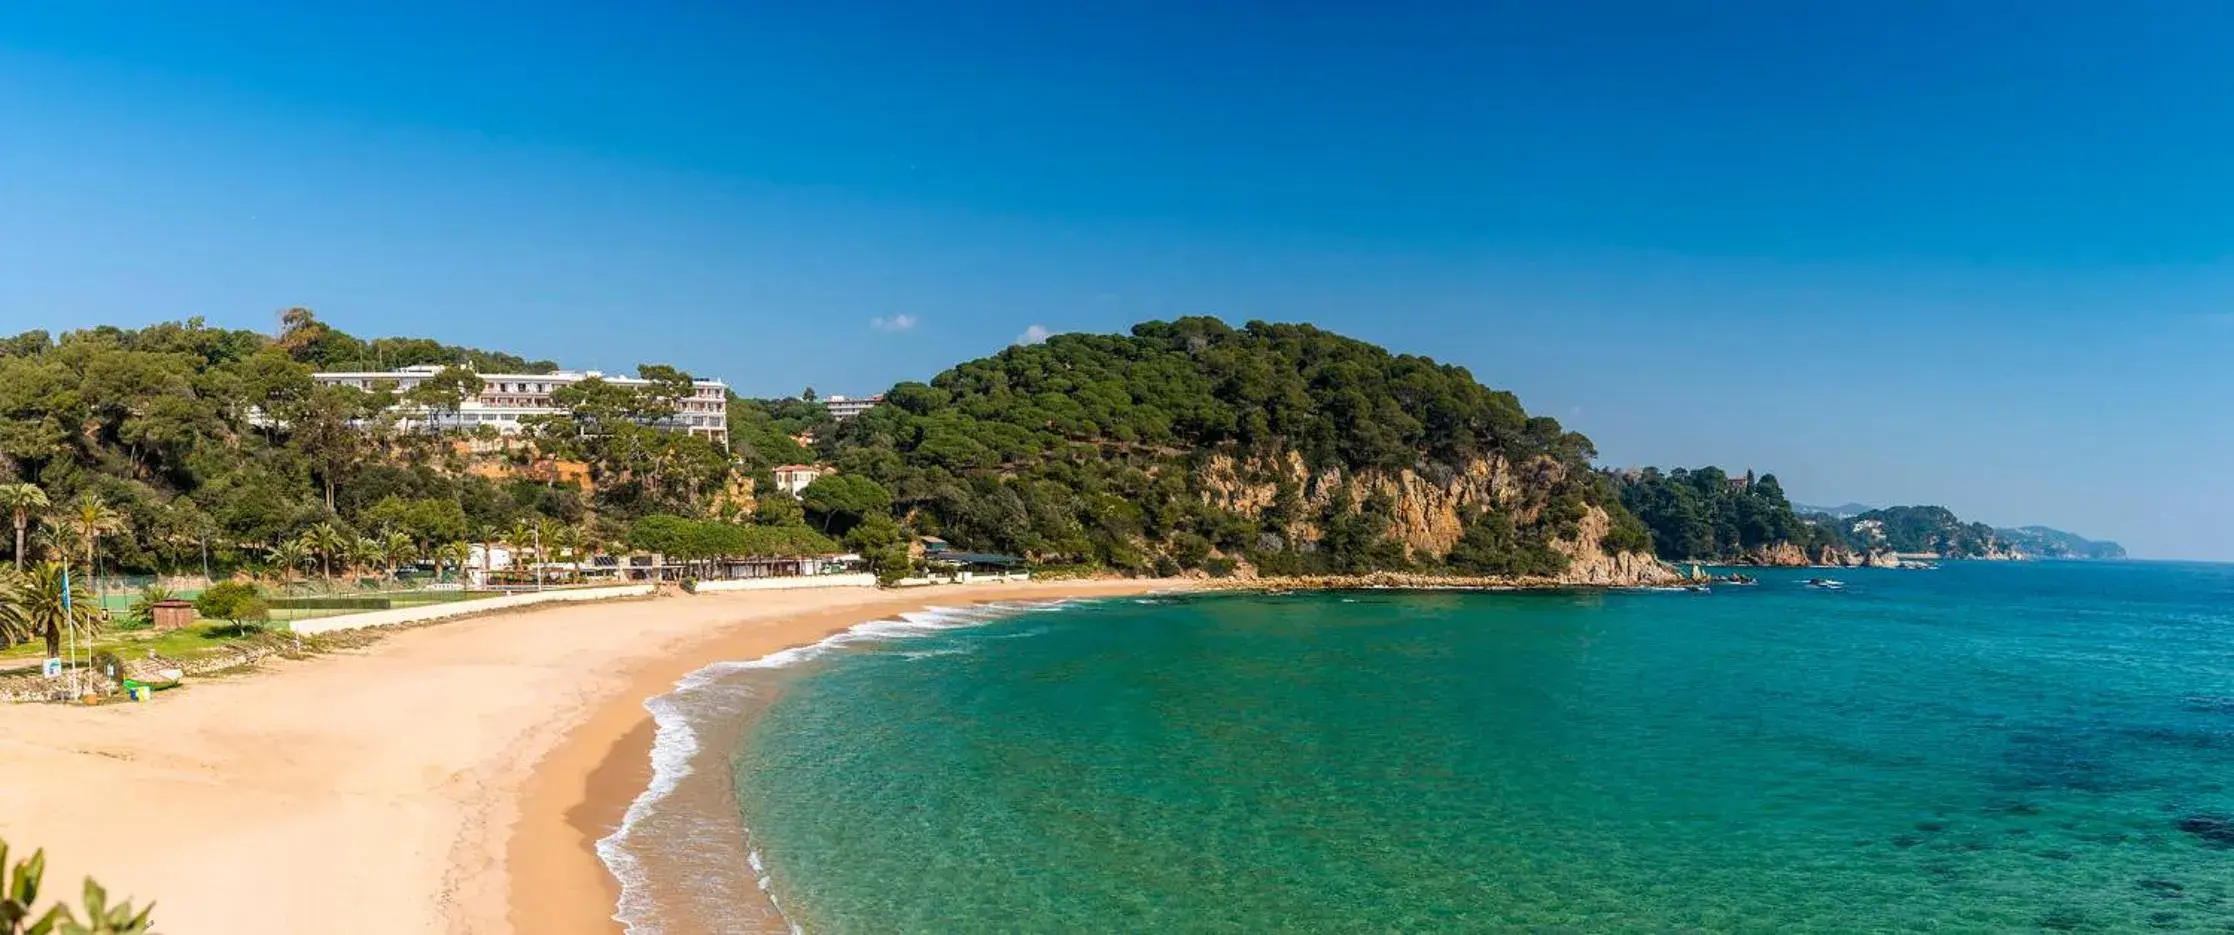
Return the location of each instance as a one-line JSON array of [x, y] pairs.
[[1826, 584]]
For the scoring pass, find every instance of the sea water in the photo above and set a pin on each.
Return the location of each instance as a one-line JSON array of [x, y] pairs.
[[1984, 747]]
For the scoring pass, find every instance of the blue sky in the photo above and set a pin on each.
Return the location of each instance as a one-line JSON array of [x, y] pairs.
[[1971, 254]]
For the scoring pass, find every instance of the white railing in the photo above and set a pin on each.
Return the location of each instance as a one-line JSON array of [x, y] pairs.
[[861, 580]]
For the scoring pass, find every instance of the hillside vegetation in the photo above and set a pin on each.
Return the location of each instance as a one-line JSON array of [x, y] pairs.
[[1913, 529], [1191, 444], [1184, 445], [189, 440], [2043, 542], [1704, 514]]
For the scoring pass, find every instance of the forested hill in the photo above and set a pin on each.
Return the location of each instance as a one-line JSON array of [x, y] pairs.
[[1924, 529], [1937, 530], [1191, 444], [2043, 542], [1705, 514]]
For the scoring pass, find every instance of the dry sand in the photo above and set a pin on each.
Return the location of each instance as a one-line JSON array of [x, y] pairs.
[[451, 778]]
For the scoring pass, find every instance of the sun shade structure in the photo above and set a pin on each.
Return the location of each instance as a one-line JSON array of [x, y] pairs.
[[975, 561]]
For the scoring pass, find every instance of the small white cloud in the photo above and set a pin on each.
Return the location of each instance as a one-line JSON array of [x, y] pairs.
[[1036, 334], [894, 323]]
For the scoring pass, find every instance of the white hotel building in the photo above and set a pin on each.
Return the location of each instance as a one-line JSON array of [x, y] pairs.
[[506, 398], [842, 408]]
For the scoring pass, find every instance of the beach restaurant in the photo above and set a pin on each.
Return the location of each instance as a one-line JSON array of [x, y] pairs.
[[974, 566]]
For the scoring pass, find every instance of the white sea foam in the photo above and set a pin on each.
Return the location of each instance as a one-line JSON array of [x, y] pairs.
[[714, 691]]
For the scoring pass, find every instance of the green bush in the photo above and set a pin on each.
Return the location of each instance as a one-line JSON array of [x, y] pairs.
[[236, 601], [21, 896]]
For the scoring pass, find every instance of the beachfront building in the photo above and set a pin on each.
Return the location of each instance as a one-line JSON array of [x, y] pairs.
[[942, 563], [506, 399], [793, 478], [648, 566], [846, 407]]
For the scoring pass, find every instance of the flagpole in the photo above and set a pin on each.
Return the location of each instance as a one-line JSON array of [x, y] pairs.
[[70, 619]]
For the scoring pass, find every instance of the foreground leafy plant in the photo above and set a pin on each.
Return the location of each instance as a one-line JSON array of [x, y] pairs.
[[21, 895]]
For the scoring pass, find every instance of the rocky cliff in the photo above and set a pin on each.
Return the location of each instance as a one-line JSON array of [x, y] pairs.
[[1425, 511], [1791, 555], [1588, 561]]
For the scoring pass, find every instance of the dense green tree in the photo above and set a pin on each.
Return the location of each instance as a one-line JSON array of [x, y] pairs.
[[236, 601], [1705, 514], [445, 392], [778, 509], [838, 502]]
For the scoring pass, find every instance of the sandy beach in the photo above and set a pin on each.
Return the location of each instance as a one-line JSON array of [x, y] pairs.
[[451, 778]]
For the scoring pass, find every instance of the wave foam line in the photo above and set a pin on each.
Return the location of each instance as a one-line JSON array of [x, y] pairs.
[[675, 742]]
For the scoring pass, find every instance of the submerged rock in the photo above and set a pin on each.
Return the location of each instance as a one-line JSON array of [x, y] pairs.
[[2162, 889], [2215, 830]]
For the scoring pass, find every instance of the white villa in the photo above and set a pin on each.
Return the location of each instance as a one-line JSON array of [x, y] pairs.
[[793, 478], [506, 398]]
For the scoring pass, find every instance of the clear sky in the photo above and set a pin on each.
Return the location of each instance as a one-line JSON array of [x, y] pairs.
[[1974, 254]]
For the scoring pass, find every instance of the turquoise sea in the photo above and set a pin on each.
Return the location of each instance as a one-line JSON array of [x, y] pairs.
[[1984, 747]]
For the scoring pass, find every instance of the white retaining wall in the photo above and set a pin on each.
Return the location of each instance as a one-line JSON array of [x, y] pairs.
[[445, 609], [965, 578], [862, 580]]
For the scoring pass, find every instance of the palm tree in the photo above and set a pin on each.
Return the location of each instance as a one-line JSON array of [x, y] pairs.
[[456, 554], [555, 535], [22, 501], [90, 518], [15, 622], [368, 553], [398, 549], [328, 542], [57, 537], [484, 535], [521, 537], [41, 600], [290, 555]]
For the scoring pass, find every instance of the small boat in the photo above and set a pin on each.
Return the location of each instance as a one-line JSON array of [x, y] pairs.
[[1696, 588], [1826, 584], [1741, 579]]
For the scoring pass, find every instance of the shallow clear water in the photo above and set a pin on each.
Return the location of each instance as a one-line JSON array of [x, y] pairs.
[[1983, 747]]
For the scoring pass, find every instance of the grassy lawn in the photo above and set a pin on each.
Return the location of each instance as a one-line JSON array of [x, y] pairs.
[[207, 635], [184, 643], [181, 643]]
